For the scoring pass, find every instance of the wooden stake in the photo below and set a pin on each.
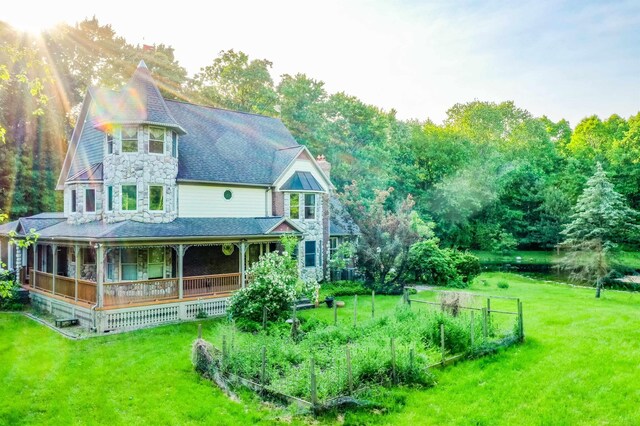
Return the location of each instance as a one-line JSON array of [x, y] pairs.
[[442, 348], [373, 303], [485, 331], [393, 360], [349, 372], [473, 326], [488, 308], [199, 331], [520, 320], [314, 389], [411, 358], [335, 313], [224, 351], [263, 370], [264, 317]]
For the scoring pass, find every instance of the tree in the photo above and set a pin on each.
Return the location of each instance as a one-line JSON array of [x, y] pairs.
[[600, 222], [235, 82], [386, 235]]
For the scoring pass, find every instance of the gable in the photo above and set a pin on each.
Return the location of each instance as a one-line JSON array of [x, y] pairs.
[[303, 164]]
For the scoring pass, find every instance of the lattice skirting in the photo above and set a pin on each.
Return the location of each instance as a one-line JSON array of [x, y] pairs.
[[134, 317]]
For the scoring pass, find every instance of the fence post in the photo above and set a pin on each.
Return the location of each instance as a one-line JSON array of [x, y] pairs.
[[335, 313], [442, 348], [349, 371], [373, 304], [224, 351], [488, 308], [355, 310], [520, 321], [264, 365], [199, 331], [264, 317], [473, 331], [485, 331], [411, 358], [314, 390], [393, 360]]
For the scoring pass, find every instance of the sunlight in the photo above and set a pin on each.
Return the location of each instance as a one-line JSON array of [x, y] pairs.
[[32, 24]]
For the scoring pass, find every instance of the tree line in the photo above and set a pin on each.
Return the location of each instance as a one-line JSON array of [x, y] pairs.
[[492, 176]]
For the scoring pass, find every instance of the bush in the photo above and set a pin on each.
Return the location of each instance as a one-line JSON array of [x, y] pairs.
[[503, 284], [467, 265], [431, 265], [273, 283]]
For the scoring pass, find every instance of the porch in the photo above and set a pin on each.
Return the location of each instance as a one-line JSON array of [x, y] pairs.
[[112, 277]]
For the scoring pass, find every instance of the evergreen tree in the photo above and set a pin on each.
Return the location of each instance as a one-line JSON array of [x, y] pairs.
[[600, 222]]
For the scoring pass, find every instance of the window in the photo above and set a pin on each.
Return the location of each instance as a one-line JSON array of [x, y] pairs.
[[156, 198], [309, 206], [129, 139], [174, 144], [309, 253], [294, 206], [90, 200], [129, 264], [333, 246], [155, 266], [228, 194], [109, 198], [111, 265], [74, 205], [156, 140], [109, 143], [129, 197]]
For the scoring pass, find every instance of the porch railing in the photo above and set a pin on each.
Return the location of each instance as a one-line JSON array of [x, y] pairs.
[[65, 287], [127, 292], [211, 284]]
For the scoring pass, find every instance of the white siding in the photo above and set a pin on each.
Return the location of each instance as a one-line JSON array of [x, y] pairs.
[[209, 201], [302, 165]]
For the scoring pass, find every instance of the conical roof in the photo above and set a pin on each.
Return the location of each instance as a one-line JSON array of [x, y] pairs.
[[139, 102]]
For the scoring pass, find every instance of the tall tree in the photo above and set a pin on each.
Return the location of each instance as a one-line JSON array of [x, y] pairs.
[[235, 82], [600, 222]]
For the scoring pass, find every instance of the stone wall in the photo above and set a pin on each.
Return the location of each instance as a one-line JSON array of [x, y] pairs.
[[80, 215]]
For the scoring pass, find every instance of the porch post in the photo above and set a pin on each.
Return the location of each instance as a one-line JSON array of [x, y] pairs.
[[180, 271], [54, 267], [35, 264], [99, 274], [76, 256], [243, 249]]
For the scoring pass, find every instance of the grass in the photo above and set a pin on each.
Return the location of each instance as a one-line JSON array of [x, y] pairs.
[[578, 365]]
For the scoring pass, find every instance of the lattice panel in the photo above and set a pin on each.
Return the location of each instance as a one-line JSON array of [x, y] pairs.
[[141, 317], [212, 308]]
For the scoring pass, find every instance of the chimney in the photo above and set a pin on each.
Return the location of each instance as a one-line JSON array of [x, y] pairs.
[[324, 165]]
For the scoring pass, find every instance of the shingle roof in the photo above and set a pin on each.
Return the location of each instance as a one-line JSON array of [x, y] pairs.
[[139, 101], [231, 146], [301, 181], [179, 228], [6, 228], [37, 222], [92, 173]]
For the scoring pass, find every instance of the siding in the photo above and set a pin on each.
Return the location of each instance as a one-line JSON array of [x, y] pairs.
[[90, 146], [302, 165], [209, 201]]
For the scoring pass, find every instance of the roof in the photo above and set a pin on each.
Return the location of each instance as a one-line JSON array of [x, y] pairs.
[[301, 181], [179, 228], [36, 222], [340, 222], [231, 146], [138, 102], [92, 173]]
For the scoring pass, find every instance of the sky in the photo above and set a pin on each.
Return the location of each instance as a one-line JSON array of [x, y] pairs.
[[562, 59]]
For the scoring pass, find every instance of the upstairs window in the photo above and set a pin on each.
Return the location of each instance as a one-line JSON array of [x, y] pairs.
[[309, 206], [129, 139], [156, 140], [109, 198], [294, 206], [309, 254], [90, 200], [74, 204], [109, 143], [156, 198], [129, 197]]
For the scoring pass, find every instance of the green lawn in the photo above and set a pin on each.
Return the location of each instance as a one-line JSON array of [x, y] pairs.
[[631, 258], [579, 365]]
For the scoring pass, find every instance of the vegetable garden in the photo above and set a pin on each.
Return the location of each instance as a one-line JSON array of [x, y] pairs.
[[318, 361]]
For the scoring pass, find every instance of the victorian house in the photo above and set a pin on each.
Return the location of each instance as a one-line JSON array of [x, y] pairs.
[[166, 204]]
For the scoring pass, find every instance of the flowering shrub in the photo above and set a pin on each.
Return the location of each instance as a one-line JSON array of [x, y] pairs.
[[273, 283]]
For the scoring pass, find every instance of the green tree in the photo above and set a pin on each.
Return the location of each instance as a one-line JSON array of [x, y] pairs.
[[600, 222], [235, 82]]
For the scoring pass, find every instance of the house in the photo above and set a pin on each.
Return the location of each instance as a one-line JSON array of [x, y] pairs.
[[166, 204]]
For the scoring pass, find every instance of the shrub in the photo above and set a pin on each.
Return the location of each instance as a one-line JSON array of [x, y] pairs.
[[503, 284], [431, 265], [467, 265], [345, 288]]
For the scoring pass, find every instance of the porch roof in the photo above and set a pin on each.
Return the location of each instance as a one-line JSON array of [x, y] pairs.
[[180, 228]]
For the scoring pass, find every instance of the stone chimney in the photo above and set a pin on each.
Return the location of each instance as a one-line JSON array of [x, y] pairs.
[[324, 165]]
